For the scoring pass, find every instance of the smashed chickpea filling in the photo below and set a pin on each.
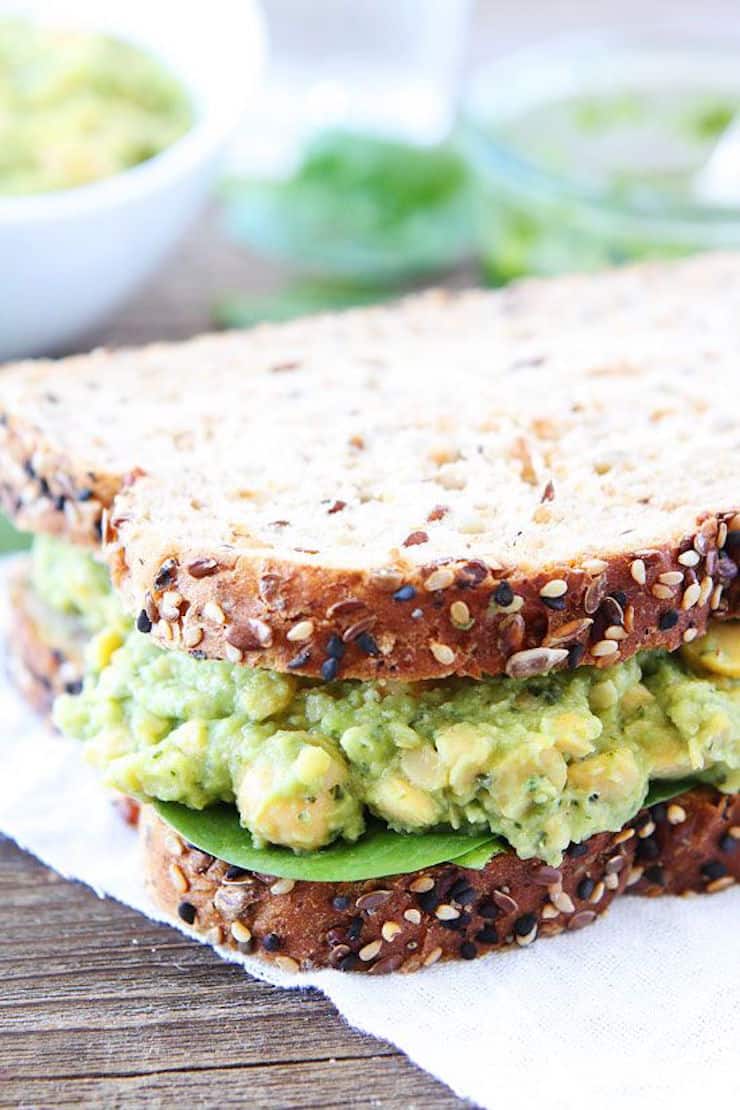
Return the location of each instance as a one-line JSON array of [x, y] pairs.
[[542, 761]]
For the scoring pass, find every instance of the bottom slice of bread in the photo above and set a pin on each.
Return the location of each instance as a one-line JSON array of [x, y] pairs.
[[406, 922], [45, 648]]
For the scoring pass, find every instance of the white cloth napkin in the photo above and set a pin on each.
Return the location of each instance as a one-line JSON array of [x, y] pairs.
[[640, 1010]]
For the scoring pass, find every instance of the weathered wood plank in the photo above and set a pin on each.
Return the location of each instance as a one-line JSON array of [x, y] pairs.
[[101, 1007], [373, 1082]]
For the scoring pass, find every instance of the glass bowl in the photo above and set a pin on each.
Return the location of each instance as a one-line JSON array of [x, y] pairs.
[[587, 150]]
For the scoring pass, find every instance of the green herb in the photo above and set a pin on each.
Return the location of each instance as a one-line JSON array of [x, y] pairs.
[[360, 205], [378, 853], [665, 789]]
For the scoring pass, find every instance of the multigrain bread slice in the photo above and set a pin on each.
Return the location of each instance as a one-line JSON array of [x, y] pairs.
[[45, 648], [463, 483], [690, 844]]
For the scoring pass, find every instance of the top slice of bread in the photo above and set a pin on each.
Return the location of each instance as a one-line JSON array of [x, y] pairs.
[[546, 474]]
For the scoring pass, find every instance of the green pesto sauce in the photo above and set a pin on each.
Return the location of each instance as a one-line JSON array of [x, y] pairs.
[[76, 107], [542, 762]]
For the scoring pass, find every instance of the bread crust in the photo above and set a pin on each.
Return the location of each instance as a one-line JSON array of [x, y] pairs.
[[407, 922], [463, 483], [390, 621], [46, 490], [45, 650]]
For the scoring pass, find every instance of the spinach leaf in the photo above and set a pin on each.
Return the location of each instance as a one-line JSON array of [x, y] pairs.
[[358, 205], [665, 789], [378, 853]]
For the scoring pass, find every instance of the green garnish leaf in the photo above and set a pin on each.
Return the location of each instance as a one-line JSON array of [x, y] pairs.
[[665, 789], [378, 853], [359, 205], [477, 858]]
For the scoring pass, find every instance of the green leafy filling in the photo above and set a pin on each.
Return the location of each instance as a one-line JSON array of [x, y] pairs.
[[379, 853]]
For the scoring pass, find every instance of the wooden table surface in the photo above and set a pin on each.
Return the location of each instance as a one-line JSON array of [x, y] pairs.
[[100, 1007]]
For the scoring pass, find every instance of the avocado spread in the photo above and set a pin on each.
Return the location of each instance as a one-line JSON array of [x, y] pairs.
[[541, 761], [76, 107]]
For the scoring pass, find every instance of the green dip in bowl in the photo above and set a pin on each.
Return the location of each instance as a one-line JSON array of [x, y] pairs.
[[587, 151], [77, 107]]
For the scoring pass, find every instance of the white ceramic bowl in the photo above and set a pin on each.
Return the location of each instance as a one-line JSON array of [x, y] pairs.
[[67, 259]]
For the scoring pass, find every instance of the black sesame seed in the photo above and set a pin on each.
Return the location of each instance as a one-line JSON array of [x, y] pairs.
[[98, 528], [461, 892], [428, 901], [271, 942], [59, 503], [585, 888], [620, 597], [366, 643], [503, 594], [575, 655], [84, 494], [335, 649], [233, 873], [468, 951], [341, 902], [488, 909], [557, 603], [487, 935], [647, 849], [44, 488], [406, 593], [714, 869], [525, 924], [329, 669], [576, 850], [667, 620], [142, 622], [354, 929], [30, 471], [727, 844], [658, 813], [187, 911], [299, 660], [655, 874], [73, 688]]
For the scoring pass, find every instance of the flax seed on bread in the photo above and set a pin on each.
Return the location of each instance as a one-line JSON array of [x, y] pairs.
[[407, 922], [463, 483]]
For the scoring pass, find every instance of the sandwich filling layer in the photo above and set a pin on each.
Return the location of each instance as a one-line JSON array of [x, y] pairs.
[[541, 761]]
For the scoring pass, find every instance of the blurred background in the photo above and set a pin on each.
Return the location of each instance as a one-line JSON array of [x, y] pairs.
[[258, 161]]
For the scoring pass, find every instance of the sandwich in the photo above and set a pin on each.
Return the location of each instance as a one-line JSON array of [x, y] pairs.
[[412, 630]]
